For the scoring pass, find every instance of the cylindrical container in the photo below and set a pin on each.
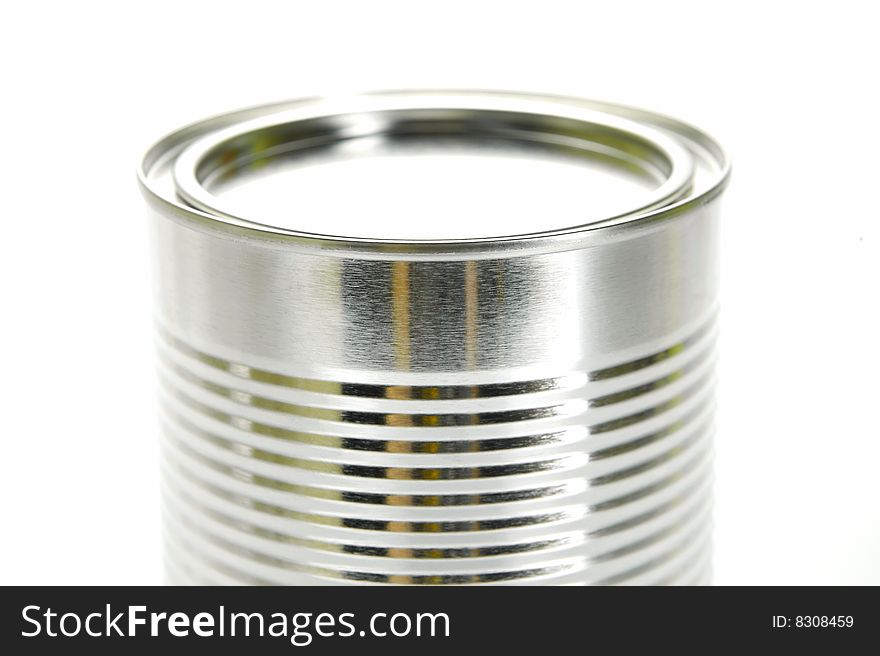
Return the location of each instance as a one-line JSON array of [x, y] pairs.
[[447, 397]]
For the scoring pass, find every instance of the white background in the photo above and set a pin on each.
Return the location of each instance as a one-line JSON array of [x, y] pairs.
[[789, 88]]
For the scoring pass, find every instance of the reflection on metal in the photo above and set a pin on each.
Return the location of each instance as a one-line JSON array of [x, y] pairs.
[[511, 408]]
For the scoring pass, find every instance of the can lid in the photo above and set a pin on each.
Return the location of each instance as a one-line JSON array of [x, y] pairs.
[[423, 168]]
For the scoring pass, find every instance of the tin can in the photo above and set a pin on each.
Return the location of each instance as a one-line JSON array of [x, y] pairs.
[[444, 401]]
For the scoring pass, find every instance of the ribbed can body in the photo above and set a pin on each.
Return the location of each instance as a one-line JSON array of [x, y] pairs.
[[533, 417]]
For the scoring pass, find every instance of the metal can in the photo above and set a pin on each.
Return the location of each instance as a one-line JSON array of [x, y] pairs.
[[440, 403]]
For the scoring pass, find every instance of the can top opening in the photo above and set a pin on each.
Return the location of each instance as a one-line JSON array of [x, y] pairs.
[[431, 167], [428, 187]]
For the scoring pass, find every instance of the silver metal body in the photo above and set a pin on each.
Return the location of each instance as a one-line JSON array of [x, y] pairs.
[[526, 409]]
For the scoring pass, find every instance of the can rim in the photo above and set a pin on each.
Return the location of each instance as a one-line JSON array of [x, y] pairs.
[[195, 139], [619, 144]]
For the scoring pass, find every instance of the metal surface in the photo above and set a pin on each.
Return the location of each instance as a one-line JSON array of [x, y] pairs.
[[513, 409]]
